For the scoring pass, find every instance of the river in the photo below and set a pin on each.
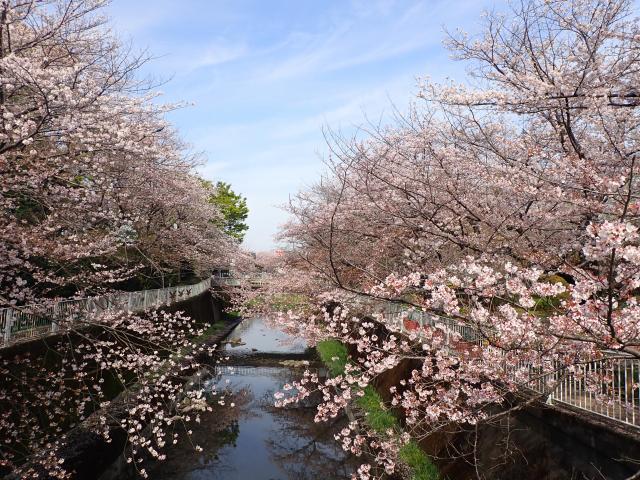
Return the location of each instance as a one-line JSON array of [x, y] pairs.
[[253, 440]]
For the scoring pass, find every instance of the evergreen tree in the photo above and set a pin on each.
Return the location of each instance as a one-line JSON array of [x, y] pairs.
[[233, 208]]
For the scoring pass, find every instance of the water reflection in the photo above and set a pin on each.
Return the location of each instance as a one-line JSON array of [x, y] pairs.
[[305, 449], [254, 335]]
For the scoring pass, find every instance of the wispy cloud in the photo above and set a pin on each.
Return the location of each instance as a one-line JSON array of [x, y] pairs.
[[195, 57], [218, 54], [365, 36]]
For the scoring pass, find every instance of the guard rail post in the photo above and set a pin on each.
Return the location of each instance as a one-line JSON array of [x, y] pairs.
[[8, 325]]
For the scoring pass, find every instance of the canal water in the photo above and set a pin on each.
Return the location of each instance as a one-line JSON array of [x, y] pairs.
[[253, 440]]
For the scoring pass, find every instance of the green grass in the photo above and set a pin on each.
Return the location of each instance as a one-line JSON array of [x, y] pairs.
[[256, 301], [335, 356], [288, 301], [208, 332], [421, 466], [279, 302], [376, 415]]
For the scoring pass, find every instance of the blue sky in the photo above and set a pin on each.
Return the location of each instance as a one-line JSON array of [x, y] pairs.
[[265, 76]]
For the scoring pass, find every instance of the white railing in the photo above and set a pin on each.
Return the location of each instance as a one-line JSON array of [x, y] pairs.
[[608, 386], [33, 321], [396, 315]]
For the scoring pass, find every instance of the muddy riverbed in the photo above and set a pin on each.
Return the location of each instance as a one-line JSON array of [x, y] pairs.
[[253, 440]]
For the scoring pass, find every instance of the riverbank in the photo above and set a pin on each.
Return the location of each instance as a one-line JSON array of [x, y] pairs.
[[119, 468]]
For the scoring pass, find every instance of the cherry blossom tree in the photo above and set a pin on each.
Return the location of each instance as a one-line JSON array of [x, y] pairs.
[[96, 189], [96, 184], [510, 208]]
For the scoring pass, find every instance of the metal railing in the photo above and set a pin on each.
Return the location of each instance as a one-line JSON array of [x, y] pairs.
[[33, 321], [607, 386], [398, 316]]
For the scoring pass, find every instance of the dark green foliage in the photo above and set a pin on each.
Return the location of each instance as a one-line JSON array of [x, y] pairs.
[[233, 208], [29, 210]]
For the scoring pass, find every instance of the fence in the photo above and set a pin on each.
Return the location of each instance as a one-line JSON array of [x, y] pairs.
[[608, 386], [396, 315], [33, 321]]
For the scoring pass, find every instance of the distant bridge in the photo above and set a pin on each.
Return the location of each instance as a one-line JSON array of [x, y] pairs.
[[255, 280]]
